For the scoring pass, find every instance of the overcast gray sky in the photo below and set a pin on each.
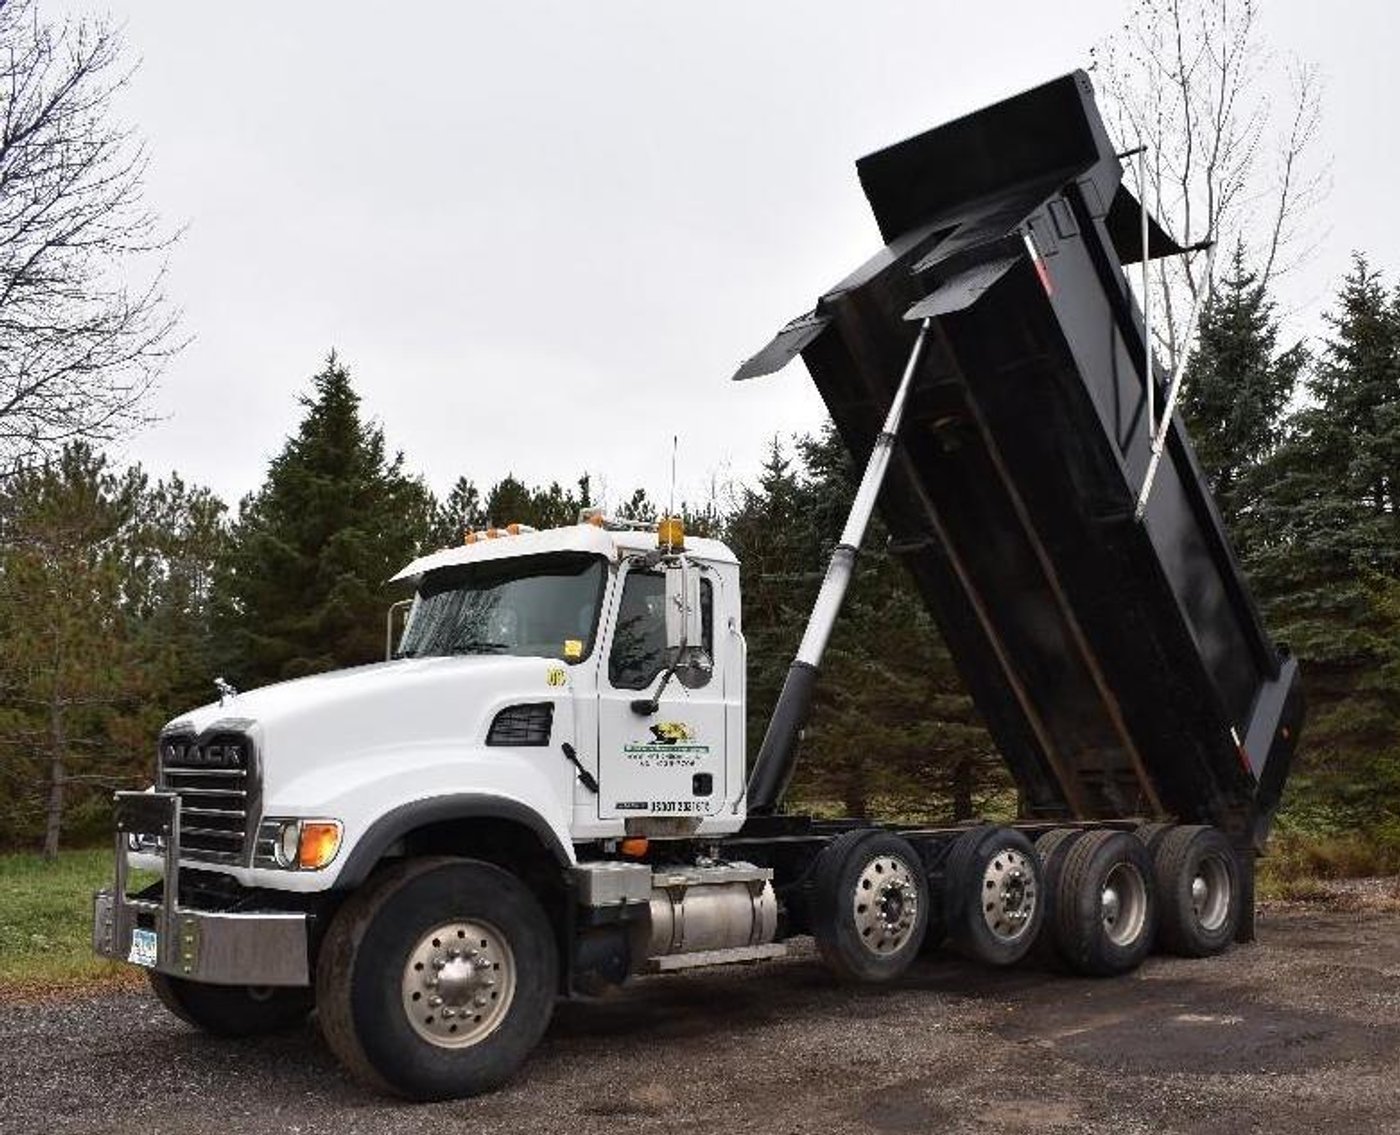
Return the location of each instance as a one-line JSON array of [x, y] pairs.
[[543, 234]]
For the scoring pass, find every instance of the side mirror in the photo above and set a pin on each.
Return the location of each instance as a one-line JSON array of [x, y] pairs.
[[685, 636], [394, 609], [683, 627]]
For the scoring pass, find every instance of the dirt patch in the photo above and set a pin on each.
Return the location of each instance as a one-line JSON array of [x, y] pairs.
[[1296, 1034]]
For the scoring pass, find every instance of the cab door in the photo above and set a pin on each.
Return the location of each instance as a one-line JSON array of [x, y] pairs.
[[670, 762]]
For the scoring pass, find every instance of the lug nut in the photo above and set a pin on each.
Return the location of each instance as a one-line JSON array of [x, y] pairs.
[[434, 1001]]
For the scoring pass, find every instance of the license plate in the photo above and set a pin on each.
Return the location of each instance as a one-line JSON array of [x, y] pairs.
[[144, 948]]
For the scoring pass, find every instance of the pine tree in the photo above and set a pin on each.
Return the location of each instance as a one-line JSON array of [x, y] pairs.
[[892, 730], [638, 508], [1237, 389], [1327, 562], [67, 655], [178, 536], [301, 588], [460, 513]]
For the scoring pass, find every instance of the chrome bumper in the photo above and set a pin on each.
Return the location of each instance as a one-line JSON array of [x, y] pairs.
[[217, 947]]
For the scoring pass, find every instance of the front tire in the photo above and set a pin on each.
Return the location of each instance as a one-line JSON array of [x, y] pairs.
[[437, 979], [233, 1010]]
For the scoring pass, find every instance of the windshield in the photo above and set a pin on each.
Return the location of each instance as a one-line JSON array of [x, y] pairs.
[[540, 606]]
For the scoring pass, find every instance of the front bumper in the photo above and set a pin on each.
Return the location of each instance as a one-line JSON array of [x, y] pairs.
[[243, 947]]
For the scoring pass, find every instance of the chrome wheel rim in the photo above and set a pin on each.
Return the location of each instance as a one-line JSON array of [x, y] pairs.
[[885, 904], [1123, 904], [1210, 893], [458, 983], [1009, 894]]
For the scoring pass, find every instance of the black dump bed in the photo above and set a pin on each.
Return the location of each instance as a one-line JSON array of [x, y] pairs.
[[1120, 664]]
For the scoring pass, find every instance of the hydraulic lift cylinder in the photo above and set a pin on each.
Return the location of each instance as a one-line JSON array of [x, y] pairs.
[[777, 757]]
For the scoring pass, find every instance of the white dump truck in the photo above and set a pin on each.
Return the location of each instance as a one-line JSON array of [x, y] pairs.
[[546, 791]]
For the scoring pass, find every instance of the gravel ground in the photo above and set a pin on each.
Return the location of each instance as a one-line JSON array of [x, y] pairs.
[[1299, 1032]]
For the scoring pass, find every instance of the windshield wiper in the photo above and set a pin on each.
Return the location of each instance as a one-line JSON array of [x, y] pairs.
[[478, 647]]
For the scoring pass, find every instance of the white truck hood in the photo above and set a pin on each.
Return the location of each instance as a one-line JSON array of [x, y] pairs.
[[349, 717]]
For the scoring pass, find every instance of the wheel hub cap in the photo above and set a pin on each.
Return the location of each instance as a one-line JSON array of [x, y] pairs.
[[1210, 894], [458, 983], [1009, 894], [1123, 904], [886, 904]]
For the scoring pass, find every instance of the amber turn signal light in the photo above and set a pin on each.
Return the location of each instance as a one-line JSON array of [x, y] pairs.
[[320, 840]]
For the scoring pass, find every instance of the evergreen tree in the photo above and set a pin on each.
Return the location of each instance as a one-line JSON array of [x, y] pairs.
[[67, 656], [301, 588], [461, 513], [1326, 563], [554, 507], [1237, 389], [510, 501], [892, 730], [178, 537], [638, 508]]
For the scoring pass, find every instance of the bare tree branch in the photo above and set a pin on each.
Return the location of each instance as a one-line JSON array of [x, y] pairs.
[[85, 328], [1194, 81]]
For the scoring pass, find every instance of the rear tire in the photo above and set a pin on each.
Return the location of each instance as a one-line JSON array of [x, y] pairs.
[[437, 978], [869, 905], [1105, 906], [994, 895], [1198, 884], [1152, 835], [1051, 848], [233, 1010]]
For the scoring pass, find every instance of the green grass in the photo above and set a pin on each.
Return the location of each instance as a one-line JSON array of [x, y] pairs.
[[1296, 863], [46, 921]]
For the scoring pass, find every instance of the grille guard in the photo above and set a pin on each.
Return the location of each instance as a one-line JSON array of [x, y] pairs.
[[215, 947]]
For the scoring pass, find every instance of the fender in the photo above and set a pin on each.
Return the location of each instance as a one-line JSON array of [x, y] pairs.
[[398, 822]]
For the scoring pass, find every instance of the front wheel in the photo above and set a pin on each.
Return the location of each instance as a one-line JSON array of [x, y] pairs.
[[437, 979], [233, 1010]]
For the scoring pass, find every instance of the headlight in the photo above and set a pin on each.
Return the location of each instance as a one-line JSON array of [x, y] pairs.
[[296, 844], [288, 839]]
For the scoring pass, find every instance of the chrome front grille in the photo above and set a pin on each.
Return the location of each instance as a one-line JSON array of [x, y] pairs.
[[215, 778]]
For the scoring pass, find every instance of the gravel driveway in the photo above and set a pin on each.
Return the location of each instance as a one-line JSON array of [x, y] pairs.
[[1297, 1033]]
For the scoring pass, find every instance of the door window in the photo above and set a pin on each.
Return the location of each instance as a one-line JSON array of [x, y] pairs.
[[639, 642]]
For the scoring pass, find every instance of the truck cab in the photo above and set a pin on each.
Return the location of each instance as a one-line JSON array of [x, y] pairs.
[[587, 605]]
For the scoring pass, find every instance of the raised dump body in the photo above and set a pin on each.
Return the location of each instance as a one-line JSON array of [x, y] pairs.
[[1119, 663]]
